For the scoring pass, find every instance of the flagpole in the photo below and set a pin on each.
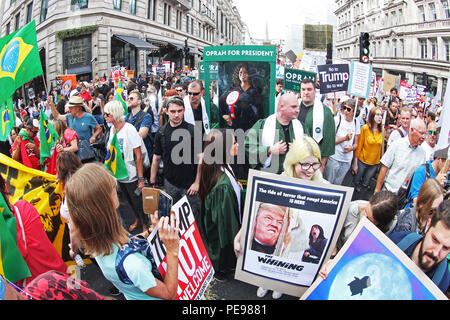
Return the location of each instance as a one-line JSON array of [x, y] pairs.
[[45, 83]]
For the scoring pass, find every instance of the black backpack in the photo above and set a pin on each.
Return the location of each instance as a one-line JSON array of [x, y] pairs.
[[403, 192]]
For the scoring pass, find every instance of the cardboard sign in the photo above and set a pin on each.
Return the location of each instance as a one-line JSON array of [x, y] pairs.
[[66, 83], [371, 267], [282, 258], [333, 77], [390, 81], [360, 79], [195, 270], [293, 78]]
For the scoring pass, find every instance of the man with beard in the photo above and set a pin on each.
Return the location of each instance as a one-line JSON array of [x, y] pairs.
[[429, 252]]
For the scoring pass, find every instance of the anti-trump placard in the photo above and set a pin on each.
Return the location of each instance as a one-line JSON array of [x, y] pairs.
[[333, 77], [195, 270]]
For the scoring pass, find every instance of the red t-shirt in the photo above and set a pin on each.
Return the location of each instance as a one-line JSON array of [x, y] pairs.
[[86, 96], [38, 252], [27, 156]]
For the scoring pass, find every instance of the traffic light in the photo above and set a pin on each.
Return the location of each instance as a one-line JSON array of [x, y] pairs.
[[329, 53], [186, 48], [364, 47]]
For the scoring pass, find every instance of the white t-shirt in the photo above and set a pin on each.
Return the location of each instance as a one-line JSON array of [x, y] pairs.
[[429, 151], [129, 139], [345, 127]]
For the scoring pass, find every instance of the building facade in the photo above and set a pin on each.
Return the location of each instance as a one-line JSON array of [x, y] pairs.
[[88, 37], [407, 37]]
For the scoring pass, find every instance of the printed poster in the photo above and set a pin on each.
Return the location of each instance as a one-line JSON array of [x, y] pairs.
[[290, 227], [360, 79], [195, 270], [371, 267], [333, 77], [66, 83]]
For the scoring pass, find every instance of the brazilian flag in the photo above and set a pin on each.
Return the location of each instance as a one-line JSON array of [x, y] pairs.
[[122, 97], [19, 60], [12, 264], [47, 137], [7, 119], [114, 160]]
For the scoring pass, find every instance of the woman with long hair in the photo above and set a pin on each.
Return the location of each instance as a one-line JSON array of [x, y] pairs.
[[219, 193], [368, 152], [317, 243], [93, 202], [414, 219]]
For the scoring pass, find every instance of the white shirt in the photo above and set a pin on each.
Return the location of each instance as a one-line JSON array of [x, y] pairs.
[[429, 151], [129, 139], [395, 135], [344, 128], [402, 161]]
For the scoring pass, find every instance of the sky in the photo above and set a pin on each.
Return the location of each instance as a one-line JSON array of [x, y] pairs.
[[281, 13]]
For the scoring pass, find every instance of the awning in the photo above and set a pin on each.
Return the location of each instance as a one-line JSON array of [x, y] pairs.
[[80, 70], [165, 43], [138, 43]]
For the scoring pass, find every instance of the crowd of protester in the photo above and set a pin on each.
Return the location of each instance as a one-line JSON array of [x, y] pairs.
[[387, 149]]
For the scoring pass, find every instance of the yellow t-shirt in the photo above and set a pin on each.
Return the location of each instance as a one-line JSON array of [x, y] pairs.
[[369, 146]]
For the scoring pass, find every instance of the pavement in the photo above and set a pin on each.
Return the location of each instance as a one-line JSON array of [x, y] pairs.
[[230, 289]]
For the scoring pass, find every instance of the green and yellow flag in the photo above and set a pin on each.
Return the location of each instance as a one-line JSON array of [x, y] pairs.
[[114, 160], [12, 264], [47, 137], [19, 60], [7, 119], [122, 97]]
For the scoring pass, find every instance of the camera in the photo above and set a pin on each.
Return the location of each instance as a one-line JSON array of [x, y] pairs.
[[447, 182]]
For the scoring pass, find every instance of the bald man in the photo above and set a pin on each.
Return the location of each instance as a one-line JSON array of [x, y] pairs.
[[402, 158], [267, 142], [429, 145]]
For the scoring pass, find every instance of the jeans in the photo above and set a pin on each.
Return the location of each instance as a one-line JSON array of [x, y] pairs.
[[134, 200], [364, 174], [335, 170]]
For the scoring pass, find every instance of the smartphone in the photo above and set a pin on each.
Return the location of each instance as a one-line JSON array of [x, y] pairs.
[[155, 199]]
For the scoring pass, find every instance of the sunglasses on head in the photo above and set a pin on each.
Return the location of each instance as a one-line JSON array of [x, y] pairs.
[[193, 93]]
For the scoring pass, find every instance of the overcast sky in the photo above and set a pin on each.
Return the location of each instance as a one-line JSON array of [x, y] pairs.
[[281, 13]]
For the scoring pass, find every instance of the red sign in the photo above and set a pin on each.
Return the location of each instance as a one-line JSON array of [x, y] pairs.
[[195, 271]]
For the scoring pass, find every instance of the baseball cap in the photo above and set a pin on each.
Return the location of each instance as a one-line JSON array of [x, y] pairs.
[[442, 154]]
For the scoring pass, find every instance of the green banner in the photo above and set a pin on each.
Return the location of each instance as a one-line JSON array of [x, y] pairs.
[[240, 53], [213, 71], [293, 78]]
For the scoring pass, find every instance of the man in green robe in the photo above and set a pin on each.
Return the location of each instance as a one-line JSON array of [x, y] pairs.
[[317, 124], [267, 142]]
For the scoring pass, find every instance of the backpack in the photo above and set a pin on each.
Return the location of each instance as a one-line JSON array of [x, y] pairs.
[[403, 192], [408, 240], [139, 244]]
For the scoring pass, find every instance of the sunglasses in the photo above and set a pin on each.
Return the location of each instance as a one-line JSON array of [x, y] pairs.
[[194, 93], [345, 108], [180, 90], [130, 99], [106, 114], [431, 132]]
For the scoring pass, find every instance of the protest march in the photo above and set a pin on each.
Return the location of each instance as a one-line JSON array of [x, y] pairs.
[[320, 181]]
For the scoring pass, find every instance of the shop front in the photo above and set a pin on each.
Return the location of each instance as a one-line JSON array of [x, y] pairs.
[[77, 57]]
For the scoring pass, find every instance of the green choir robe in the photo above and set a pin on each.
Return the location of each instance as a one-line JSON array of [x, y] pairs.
[[220, 219], [257, 154], [327, 143]]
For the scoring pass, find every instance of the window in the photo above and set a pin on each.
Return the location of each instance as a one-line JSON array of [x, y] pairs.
[[446, 9], [434, 49], [29, 11], [132, 6], [17, 24], [187, 24], [402, 48], [423, 49], [44, 8], [8, 28], [421, 13], [394, 45], [447, 49], [78, 4], [117, 4], [433, 14]]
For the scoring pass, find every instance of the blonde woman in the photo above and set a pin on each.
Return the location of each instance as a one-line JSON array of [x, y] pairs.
[[415, 219], [303, 161], [91, 194]]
